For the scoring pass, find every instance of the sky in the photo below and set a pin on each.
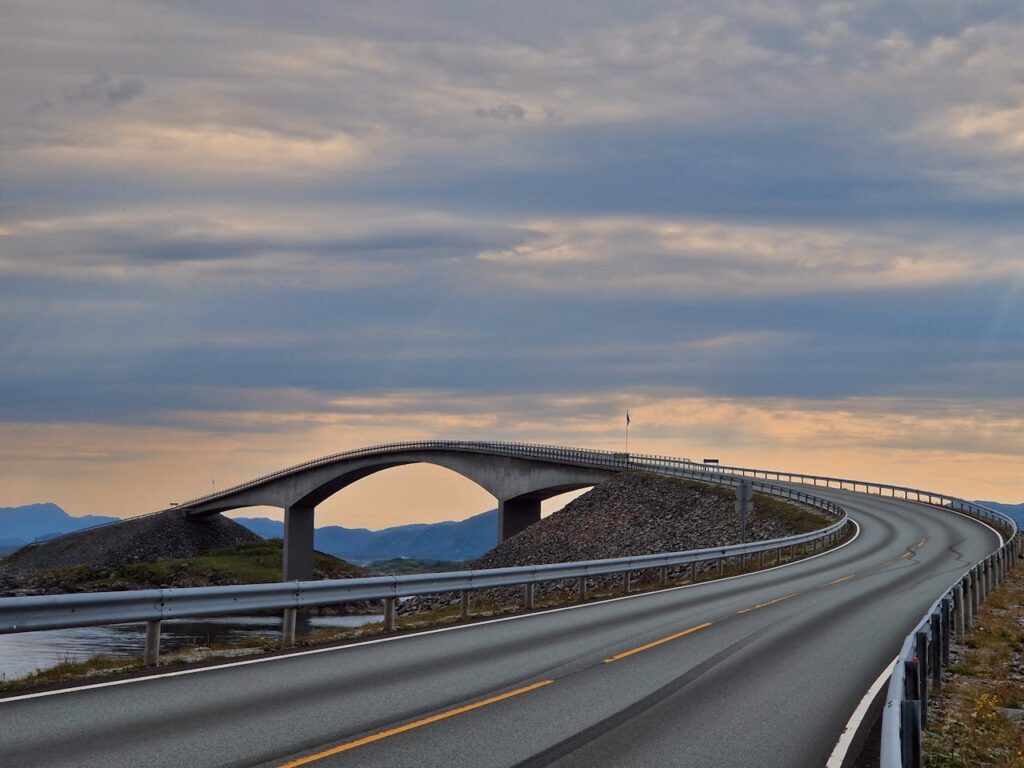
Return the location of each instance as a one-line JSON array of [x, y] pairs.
[[236, 236]]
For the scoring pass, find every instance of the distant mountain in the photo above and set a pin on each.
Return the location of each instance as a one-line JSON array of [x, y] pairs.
[[1016, 511], [22, 525], [461, 540]]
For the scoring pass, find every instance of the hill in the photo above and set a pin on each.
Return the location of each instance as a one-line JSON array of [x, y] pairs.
[[155, 537], [634, 513], [22, 525], [638, 513], [450, 540], [1016, 511]]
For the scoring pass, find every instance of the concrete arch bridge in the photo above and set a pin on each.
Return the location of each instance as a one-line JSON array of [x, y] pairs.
[[518, 475]]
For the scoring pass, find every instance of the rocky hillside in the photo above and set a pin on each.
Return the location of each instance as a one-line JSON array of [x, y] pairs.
[[157, 537], [635, 513], [159, 552], [638, 513]]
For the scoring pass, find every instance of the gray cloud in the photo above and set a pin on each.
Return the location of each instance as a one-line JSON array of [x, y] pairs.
[[436, 252], [503, 112], [103, 91]]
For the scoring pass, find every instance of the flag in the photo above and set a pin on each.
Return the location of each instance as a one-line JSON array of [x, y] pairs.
[[627, 418]]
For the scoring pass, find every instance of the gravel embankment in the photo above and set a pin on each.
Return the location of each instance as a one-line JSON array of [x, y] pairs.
[[634, 513]]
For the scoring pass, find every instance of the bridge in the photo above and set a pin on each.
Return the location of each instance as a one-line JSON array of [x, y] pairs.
[[779, 667], [519, 476]]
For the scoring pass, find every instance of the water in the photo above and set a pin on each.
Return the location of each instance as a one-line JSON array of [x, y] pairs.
[[24, 653]]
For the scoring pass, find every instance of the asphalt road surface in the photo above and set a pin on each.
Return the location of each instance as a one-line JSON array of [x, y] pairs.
[[759, 670]]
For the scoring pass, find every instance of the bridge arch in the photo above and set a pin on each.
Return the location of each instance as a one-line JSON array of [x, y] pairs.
[[518, 483]]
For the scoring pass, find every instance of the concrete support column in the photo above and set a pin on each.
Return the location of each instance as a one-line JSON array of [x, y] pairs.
[[514, 515], [389, 614], [151, 654], [298, 544], [297, 564], [959, 634]]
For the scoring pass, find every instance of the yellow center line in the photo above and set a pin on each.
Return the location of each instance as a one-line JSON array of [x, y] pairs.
[[770, 602], [906, 555], [676, 636], [840, 581], [410, 726]]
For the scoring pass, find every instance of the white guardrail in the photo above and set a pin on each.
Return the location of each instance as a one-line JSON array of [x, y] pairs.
[[925, 649]]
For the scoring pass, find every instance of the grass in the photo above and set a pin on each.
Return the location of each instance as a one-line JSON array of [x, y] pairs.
[[256, 563], [969, 723]]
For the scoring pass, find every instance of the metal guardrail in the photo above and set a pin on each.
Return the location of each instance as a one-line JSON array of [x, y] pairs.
[[28, 614], [926, 650]]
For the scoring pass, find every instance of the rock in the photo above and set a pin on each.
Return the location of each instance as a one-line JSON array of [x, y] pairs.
[[634, 513]]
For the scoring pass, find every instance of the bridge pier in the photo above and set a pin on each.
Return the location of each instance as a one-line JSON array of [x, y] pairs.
[[298, 544], [514, 515], [297, 562]]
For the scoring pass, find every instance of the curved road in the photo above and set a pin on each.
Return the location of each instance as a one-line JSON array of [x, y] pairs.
[[759, 670]]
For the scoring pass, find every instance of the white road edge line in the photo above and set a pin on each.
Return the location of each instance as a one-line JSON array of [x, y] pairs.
[[835, 760], [312, 651]]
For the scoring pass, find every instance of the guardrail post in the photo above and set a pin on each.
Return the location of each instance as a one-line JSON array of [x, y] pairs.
[[529, 596], [389, 614], [693, 572], [959, 616], [935, 660], [982, 581], [151, 655], [778, 555], [583, 589], [288, 628], [921, 650], [719, 567], [975, 591], [464, 604], [760, 559], [662, 577], [910, 733], [627, 582], [946, 615]]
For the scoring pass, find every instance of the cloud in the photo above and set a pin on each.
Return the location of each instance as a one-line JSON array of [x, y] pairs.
[[371, 223], [503, 112], [102, 91]]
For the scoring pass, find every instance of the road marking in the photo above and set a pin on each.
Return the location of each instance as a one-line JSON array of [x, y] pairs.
[[906, 555], [413, 635], [676, 636], [840, 581], [842, 746], [411, 726], [770, 602], [921, 542]]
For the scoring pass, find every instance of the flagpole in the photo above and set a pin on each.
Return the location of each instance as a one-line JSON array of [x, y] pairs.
[[627, 439]]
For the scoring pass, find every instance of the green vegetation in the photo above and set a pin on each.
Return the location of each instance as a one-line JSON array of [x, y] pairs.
[[245, 564], [977, 719]]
